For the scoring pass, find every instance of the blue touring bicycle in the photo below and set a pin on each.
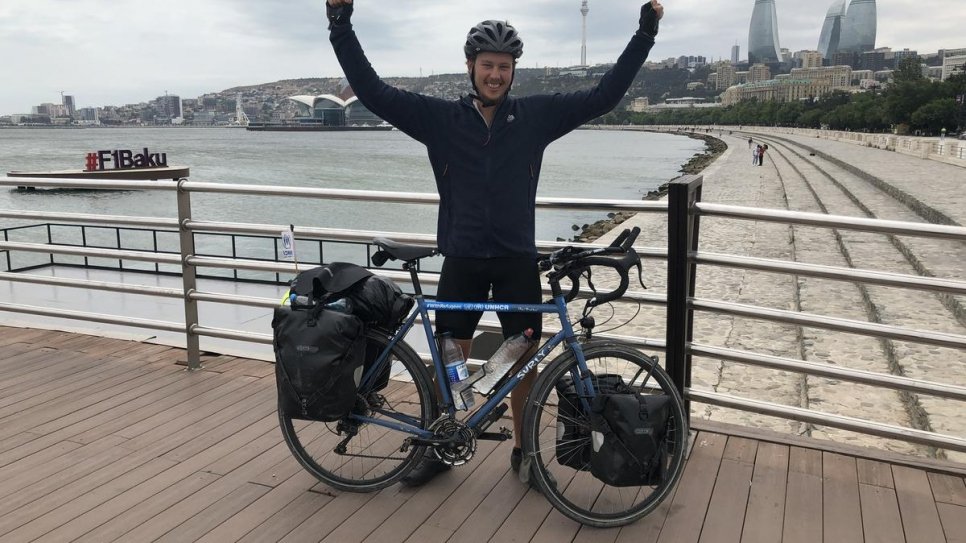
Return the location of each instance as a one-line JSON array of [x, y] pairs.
[[396, 422]]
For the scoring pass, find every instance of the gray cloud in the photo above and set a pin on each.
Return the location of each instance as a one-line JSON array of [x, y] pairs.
[[110, 52]]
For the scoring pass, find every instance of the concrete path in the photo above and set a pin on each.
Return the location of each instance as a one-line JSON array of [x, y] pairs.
[[824, 176]]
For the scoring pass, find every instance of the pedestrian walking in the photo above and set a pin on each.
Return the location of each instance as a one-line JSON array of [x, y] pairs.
[[750, 142], [761, 153]]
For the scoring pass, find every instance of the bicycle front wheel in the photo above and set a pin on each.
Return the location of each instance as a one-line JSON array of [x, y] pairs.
[[563, 476], [363, 457]]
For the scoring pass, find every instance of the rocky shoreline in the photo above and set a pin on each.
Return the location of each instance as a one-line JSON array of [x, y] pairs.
[[714, 147]]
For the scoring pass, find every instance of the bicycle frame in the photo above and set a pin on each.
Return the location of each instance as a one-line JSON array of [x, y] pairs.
[[422, 309]]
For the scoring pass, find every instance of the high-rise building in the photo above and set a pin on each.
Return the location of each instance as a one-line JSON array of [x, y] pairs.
[[858, 28], [169, 106], [828, 40], [68, 103], [735, 51], [758, 72], [763, 34], [583, 42]]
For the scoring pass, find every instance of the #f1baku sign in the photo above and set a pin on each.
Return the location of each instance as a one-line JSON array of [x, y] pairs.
[[122, 159]]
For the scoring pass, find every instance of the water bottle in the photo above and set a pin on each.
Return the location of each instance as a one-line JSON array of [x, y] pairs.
[[456, 372], [512, 349], [342, 305]]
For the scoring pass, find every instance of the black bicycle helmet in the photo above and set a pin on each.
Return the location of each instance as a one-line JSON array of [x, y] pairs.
[[493, 37]]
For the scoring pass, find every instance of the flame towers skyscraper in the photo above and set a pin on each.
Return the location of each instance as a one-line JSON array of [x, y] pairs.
[[858, 28], [828, 41], [763, 35]]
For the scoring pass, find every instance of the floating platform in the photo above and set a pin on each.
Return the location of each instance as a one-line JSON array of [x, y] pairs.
[[122, 174]]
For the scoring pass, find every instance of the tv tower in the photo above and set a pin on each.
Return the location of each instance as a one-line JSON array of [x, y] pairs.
[[583, 43]]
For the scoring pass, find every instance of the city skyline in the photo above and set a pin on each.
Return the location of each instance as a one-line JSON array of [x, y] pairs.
[[106, 55]]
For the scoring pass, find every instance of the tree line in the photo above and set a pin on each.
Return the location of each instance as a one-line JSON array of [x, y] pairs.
[[910, 104]]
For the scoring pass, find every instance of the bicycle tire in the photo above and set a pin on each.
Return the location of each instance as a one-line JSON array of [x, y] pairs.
[[576, 493], [372, 459]]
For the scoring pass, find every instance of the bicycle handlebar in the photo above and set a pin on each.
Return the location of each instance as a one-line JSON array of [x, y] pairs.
[[571, 263]]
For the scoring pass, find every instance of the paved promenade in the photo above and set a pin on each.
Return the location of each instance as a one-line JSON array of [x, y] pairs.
[[824, 176]]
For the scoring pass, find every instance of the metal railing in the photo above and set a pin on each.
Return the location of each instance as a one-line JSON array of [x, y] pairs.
[[684, 209]]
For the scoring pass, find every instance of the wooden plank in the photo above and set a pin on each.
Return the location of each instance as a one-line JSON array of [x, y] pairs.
[[137, 506], [948, 489], [216, 513], [920, 519], [954, 522], [694, 490], [462, 501], [428, 498], [648, 529], [841, 511], [882, 455], [487, 517], [766, 503], [729, 502], [803, 500], [880, 514], [874, 473], [282, 522], [44, 524]]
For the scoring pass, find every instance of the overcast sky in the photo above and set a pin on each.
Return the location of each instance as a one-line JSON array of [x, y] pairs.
[[115, 52]]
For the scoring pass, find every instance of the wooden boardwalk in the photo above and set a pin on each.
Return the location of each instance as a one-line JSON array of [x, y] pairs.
[[104, 440]]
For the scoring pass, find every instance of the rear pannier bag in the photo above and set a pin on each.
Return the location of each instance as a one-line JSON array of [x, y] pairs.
[[380, 302], [573, 424], [319, 354], [628, 438]]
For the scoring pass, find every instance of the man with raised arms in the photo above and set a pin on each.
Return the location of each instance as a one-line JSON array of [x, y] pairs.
[[486, 150]]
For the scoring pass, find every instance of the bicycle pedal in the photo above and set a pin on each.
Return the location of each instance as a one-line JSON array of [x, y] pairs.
[[503, 435]]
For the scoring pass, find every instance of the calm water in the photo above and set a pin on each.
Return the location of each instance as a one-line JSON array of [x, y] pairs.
[[592, 164]]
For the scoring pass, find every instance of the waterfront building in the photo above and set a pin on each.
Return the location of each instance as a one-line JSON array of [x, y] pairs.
[[763, 33], [331, 110], [68, 103], [834, 77], [169, 107], [725, 75], [859, 27], [808, 59], [639, 105], [899, 56], [953, 65], [828, 40], [758, 72], [735, 52]]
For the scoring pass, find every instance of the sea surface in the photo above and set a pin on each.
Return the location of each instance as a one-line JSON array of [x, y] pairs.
[[585, 163]]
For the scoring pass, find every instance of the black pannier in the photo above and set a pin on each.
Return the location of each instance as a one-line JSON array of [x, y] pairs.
[[380, 302], [628, 432], [319, 355], [321, 352], [573, 424]]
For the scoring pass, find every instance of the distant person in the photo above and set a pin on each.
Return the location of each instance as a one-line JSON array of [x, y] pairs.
[[761, 154], [486, 150], [750, 142], [755, 155], [942, 135]]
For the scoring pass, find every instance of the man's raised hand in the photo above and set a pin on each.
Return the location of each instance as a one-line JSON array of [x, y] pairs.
[[338, 12], [651, 13]]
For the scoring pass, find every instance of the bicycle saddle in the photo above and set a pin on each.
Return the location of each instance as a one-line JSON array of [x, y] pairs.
[[401, 251]]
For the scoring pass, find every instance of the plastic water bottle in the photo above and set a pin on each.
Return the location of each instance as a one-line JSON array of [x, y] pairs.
[[456, 372], [512, 349]]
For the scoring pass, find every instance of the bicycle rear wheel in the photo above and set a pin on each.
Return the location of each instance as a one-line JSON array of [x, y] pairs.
[[364, 457], [575, 492]]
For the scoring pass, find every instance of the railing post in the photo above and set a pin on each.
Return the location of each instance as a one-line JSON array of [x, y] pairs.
[[682, 226], [188, 277]]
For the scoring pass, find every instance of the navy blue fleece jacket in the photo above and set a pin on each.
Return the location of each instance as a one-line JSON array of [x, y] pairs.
[[486, 175]]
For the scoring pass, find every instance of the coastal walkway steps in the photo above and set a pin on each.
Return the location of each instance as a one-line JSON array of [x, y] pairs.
[[112, 440], [823, 176]]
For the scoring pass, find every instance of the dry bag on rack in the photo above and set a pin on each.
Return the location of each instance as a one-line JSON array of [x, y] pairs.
[[573, 422], [319, 355], [628, 434]]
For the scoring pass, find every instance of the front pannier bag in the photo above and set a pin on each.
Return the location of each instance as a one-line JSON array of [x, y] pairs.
[[319, 355], [628, 437], [573, 427]]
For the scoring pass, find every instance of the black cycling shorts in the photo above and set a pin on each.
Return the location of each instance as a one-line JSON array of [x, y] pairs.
[[513, 280]]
